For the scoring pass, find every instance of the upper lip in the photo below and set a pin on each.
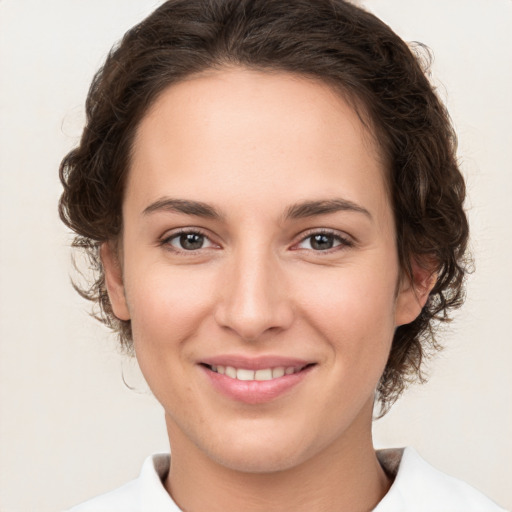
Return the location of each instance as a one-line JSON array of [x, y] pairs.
[[255, 363]]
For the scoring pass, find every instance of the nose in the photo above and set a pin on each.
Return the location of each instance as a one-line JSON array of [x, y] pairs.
[[254, 297]]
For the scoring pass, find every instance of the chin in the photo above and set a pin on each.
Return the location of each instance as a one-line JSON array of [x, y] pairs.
[[246, 460], [261, 453]]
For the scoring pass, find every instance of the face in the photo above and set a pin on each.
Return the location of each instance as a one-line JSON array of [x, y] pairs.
[[259, 268]]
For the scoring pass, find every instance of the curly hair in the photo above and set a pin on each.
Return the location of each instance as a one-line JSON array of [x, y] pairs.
[[331, 40]]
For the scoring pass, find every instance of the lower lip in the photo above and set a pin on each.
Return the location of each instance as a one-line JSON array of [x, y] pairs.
[[255, 391]]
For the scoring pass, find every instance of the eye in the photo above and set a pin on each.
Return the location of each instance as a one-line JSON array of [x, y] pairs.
[[188, 241], [323, 242]]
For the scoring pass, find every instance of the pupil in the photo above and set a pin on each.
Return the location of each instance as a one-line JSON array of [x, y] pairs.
[[322, 242], [191, 241]]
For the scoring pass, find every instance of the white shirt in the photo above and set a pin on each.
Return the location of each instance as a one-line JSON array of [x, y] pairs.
[[417, 487]]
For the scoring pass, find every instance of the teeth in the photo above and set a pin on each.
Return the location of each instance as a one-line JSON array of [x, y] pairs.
[[245, 374], [231, 372], [279, 372], [264, 374]]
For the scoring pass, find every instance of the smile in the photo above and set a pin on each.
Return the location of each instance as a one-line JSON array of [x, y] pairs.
[[255, 381], [258, 375]]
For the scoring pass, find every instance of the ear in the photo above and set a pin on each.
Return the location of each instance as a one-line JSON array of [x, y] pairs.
[[413, 293], [114, 280]]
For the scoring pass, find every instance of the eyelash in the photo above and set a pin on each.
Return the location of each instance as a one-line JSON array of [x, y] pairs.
[[166, 241], [344, 242]]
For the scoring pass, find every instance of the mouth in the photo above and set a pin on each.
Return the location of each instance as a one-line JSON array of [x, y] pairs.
[[256, 381], [262, 374]]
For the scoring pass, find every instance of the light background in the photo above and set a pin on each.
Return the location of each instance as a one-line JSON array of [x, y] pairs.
[[69, 428]]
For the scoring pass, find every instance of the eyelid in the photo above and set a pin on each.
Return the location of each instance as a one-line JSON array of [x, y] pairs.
[[346, 240], [164, 241]]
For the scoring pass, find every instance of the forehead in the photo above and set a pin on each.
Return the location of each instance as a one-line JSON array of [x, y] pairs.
[[253, 129]]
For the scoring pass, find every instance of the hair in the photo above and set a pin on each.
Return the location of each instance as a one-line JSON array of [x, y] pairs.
[[330, 40]]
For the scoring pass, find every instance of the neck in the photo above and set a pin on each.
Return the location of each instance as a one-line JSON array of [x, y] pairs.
[[344, 476]]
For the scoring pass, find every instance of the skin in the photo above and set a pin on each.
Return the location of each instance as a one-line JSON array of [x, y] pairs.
[[251, 145]]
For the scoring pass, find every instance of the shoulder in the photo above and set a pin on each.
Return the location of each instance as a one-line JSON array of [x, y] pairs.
[[420, 487], [144, 494]]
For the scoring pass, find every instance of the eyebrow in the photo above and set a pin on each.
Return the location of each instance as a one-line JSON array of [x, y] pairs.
[[185, 206], [300, 210], [312, 208]]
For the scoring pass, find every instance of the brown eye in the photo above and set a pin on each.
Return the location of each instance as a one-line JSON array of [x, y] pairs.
[[189, 241], [324, 242]]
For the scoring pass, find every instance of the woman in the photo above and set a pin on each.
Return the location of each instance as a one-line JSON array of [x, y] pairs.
[[270, 193]]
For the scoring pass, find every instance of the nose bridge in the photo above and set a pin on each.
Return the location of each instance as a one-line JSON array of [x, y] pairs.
[[254, 298]]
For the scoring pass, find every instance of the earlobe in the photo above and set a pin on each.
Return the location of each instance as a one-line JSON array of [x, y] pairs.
[[413, 293], [114, 280]]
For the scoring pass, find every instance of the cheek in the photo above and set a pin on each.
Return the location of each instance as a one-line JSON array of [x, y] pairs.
[[354, 309], [166, 303], [167, 307]]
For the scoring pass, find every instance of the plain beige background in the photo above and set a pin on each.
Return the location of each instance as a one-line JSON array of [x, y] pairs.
[[69, 427]]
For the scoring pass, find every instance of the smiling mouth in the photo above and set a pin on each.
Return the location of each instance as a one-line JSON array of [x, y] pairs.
[[264, 374]]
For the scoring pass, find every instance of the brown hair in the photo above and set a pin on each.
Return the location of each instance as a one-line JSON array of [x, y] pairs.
[[331, 40]]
